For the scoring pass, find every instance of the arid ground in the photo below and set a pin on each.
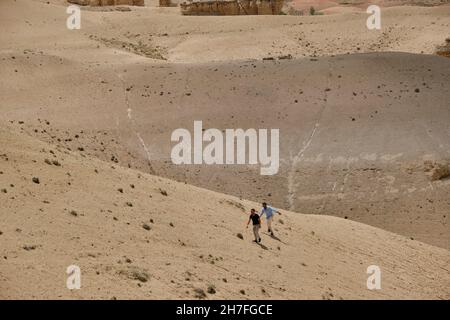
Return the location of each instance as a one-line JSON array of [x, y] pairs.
[[86, 176]]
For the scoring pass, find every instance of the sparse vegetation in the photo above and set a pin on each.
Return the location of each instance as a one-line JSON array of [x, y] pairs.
[[135, 273]]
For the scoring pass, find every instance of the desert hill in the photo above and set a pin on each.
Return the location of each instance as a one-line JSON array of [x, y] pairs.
[[361, 134], [86, 176], [163, 34], [138, 236], [357, 146], [303, 7]]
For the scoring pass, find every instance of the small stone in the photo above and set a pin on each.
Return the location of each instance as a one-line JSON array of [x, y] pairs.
[[146, 226], [211, 289]]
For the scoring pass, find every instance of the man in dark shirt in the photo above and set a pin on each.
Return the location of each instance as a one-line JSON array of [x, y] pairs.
[[254, 217]]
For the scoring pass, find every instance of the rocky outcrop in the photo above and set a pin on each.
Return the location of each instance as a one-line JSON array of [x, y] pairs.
[[232, 7], [95, 3], [445, 49]]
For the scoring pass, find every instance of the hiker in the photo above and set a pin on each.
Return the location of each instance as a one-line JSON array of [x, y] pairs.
[[268, 211], [254, 217]]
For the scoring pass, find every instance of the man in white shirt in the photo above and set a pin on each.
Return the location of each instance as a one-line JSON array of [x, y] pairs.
[[269, 212]]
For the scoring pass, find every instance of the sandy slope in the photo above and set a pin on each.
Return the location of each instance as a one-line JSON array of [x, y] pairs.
[[76, 215], [101, 97], [356, 135]]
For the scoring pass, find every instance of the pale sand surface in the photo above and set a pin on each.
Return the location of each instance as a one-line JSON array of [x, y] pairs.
[[360, 113], [77, 216]]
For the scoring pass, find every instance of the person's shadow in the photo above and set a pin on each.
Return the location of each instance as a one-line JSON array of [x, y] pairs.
[[263, 246], [276, 238]]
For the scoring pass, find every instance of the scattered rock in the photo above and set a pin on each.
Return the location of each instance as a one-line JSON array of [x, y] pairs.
[[240, 236], [146, 226], [285, 57], [199, 293], [35, 180]]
